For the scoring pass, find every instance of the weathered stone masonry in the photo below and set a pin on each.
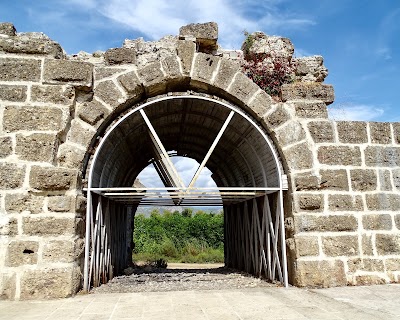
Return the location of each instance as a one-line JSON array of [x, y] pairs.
[[342, 207]]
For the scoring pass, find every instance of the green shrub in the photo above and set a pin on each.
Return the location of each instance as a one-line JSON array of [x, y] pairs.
[[176, 237]]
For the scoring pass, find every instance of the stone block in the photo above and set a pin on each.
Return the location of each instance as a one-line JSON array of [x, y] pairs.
[[367, 245], [109, 93], [387, 244], [311, 109], [379, 156], [36, 147], [186, 50], [340, 246], [334, 179], [8, 284], [306, 181], [70, 156], [363, 180], [364, 280], [59, 203], [80, 133], [56, 94], [80, 227], [120, 56], [226, 72], [204, 67], [320, 273], [52, 179], [345, 202], [153, 79], [308, 91], [6, 147], [92, 112], [9, 227], [377, 222], [106, 72], [63, 250], [396, 178], [77, 73], [380, 132], [291, 133], [383, 202], [310, 69], [310, 202], [27, 43], [23, 202], [8, 29], [80, 204], [261, 104], [206, 35], [299, 157], [15, 69], [48, 226], [50, 283], [11, 175], [243, 88], [385, 181], [329, 223], [261, 44], [392, 264], [307, 246], [21, 252], [13, 93], [278, 117], [321, 131], [132, 85], [397, 221], [339, 155], [352, 131], [396, 132], [171, 67], [33, 118]]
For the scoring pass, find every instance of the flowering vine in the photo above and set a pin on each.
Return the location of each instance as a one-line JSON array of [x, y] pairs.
[[268, 70]]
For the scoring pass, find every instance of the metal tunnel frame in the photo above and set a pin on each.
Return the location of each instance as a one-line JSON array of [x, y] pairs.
[[253, 207]]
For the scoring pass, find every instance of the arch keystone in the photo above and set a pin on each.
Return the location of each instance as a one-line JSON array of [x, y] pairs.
[[203, 70]]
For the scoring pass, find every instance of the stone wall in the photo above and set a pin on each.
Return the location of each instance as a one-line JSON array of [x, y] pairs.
[[346, 199], [342, 219]]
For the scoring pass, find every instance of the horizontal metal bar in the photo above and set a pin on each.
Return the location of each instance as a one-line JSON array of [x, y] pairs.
[[178, 194], [115, 189]]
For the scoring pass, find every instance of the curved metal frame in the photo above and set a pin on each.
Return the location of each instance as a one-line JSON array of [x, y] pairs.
[[140, 108]]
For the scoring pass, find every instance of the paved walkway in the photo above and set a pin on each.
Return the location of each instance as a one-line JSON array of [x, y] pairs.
[[374, 302]]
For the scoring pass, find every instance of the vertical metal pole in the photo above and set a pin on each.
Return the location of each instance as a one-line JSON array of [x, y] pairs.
[[87, 242], [283, 242]]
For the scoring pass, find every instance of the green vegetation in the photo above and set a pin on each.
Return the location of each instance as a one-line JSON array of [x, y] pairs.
[[179, 237]]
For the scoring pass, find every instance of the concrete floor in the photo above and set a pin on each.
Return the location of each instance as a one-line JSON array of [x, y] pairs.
[[372, 302]]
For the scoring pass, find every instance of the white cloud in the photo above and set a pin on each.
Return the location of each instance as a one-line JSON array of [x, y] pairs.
[[352, 112], [186, 168], [157, 18]]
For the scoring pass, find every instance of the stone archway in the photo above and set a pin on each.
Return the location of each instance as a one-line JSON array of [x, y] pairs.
[[245, 167], [341, 222]]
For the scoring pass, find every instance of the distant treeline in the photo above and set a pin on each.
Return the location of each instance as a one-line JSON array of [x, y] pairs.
[[185, 236]]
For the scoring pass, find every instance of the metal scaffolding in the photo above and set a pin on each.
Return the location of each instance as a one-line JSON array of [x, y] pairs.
[[245, 167]]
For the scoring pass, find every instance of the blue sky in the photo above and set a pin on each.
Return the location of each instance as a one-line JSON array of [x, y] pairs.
[[359, 40]]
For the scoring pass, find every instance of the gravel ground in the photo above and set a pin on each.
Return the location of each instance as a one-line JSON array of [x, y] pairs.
[[146, 279]]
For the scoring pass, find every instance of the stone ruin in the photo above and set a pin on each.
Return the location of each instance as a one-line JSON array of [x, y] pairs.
[[342, 219]]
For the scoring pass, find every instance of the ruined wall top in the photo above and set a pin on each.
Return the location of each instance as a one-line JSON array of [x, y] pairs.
[[141, 52]]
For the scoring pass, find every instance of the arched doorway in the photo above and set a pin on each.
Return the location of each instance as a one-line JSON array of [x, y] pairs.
[[245, 167]]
